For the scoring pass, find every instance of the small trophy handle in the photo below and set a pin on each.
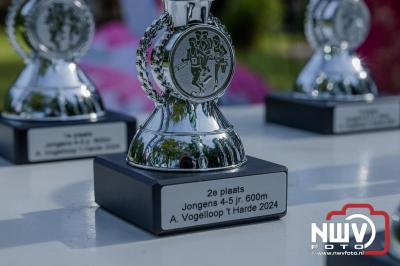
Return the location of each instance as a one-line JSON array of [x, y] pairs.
[[309, 27], [10, 25], [142, 56]]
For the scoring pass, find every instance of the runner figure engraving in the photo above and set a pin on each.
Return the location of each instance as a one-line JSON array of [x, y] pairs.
[[62, 29], [219, 55], [193, 57], [204, 63]]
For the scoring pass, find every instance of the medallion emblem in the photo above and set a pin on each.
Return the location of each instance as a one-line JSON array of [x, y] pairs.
[[60, 28], [341, 23], [352, 23], [202, 64]]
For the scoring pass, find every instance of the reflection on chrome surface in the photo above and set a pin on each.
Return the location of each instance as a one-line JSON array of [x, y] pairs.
[[334, 76], [52, 91], [180, 135]]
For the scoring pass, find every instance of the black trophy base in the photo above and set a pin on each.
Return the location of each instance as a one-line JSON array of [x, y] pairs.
[[176, 202], [361, 260], [333, 117], [23, 142]]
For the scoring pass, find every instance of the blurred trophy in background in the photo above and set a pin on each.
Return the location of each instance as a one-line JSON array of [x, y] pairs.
[[335, 92], [187, 141], [395, 235], [50, 35], [335, 29], [52, 91]]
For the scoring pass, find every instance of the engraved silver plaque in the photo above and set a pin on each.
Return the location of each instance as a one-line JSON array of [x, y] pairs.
[[69, 142], [260, 190]]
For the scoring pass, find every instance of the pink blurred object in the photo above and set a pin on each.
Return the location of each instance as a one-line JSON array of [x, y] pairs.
[[245, 88], [381, 51], [110, 63]]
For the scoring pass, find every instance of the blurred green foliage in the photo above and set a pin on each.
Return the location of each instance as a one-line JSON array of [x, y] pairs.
[[267, 35], [278, 58], [10, 66], [249, 20], [266, 39]]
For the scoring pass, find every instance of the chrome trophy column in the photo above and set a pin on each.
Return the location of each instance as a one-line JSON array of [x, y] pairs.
[[192, 63], [50, 35], [335, 29]]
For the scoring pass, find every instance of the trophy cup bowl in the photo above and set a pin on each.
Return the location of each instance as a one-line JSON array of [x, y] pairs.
[[170, 140], [50, 35]]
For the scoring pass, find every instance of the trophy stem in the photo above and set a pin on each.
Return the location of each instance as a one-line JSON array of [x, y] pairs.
[[184, 12], [52, 91], [333, 73]]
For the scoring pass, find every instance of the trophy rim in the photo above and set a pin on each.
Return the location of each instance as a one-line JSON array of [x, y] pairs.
[[332, 98], [181, 134], [181, 92], [89, 117], [181, 170], [42, 49]]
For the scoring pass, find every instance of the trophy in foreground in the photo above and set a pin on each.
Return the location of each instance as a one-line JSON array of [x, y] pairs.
[[186, 167], [53, 111], [335, 92]]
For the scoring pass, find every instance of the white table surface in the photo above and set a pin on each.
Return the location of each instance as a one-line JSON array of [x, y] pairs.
[[48, 215]]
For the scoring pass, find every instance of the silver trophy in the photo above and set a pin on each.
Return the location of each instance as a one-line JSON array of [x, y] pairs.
[[192, 63], [50, 35], [335, 29], [395, 235]]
